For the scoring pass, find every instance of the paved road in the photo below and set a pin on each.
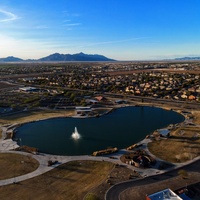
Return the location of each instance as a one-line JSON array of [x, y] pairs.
[[115, 191]]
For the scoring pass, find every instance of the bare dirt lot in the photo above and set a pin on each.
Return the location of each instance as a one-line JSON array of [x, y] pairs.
[[13, 165], [183, 144], [182, 148], [28, 116], [68, 181], [4, 85], [170, 180], [114, 73], [47, 185]]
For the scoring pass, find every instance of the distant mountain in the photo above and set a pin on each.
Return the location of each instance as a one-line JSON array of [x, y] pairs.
[[75, 57], [188, 58], [11, 59], [56, 57]]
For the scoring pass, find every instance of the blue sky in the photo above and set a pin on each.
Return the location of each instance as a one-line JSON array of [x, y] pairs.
[[119, 29]]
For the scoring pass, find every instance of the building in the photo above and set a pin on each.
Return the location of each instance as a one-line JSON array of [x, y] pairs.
[[166, 194], [28, 89], [83, 110], [164, 132]]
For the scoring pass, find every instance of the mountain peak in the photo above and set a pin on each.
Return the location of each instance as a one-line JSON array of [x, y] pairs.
[[57, 57], [10, 59], [75, 57]]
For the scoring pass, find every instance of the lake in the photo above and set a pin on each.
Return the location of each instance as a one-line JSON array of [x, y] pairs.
[[120, 128]]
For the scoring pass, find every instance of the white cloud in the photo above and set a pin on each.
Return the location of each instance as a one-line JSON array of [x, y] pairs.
[[8, 16]]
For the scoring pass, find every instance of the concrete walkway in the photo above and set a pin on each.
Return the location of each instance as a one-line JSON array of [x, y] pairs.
[[43, 164], [6, 146]]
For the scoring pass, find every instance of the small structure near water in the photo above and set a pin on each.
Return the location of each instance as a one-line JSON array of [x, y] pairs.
[[139, 159], [81, 111], [164, 132], [105, 151]]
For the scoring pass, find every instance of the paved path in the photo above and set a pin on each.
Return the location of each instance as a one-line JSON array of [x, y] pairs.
[[43, 164], [7, 146], [118, 191]]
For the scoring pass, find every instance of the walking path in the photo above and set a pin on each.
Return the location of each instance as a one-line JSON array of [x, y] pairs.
[[43, 164], [8, 145]]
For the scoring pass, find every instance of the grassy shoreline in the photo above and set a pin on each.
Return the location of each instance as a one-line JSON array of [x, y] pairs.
[[55, 180], [156, 147], [30, 116]]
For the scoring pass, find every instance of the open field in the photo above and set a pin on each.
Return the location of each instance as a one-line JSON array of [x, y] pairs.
[[171, 180], [127, 72], [183, 145], [29, 116], [13, 165], [196, 116], [0, 133], [74, 181], [5, 85], [117, 175], [68, 181]]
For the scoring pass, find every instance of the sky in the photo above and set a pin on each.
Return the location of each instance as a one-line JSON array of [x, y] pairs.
[[118, 29]]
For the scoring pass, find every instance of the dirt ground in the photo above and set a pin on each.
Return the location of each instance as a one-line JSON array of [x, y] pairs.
[[68, 181], [29, 116], [0, 133], [16, 165], [102, 181], [183, 143], [196, 116], [170, 180], [181, 149], [117, 175]]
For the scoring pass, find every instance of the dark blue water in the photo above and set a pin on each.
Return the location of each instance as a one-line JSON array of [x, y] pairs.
[[121, 128]]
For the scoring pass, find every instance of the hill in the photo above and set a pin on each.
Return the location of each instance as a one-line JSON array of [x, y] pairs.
[[11, 59], [56, 57], [188, 58], [75, 57]]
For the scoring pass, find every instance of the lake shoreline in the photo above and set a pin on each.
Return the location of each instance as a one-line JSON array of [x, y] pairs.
[[110, 110]]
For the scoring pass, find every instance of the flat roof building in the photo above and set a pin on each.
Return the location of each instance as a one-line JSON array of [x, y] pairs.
[[166, 194], [28, 89]]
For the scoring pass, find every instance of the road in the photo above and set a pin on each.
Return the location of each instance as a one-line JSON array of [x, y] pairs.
[[114, 193]]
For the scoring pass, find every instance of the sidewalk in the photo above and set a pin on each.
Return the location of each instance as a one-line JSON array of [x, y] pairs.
[[7, 145], [43, 164]]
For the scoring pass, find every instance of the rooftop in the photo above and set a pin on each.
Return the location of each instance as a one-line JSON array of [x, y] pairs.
[[166, 194]]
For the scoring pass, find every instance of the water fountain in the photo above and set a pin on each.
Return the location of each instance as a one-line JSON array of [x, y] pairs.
[[75, 134]]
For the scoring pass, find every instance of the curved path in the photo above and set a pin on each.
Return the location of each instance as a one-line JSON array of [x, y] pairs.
[[44, 158], [114, 192], [43, 164]]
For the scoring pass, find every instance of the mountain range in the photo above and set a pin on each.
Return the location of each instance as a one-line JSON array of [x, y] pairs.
[[188, 58], [56, 57]]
